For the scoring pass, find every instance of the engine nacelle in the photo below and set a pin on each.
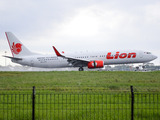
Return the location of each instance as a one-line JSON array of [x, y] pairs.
[[96, 64]]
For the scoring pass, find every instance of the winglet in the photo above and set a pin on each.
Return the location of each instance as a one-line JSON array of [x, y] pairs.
[[56, 51]]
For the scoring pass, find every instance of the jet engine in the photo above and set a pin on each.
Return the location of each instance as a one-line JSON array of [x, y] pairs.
[[96, 64]]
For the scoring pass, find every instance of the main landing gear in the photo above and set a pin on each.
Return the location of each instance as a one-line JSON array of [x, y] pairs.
[[81, 69]]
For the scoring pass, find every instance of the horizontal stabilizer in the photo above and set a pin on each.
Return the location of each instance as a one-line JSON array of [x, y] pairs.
[[14, 58]]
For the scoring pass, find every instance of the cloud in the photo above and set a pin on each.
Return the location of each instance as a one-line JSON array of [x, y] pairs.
[[82, 25], [112, 26]]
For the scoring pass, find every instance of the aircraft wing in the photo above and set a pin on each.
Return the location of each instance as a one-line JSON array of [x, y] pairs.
[[14, 58], [75, 62]]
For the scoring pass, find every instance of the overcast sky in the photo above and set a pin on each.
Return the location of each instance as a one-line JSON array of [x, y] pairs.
[[81, 25]]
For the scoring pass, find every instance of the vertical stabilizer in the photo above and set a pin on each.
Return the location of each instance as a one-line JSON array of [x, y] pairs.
[[17, 48]]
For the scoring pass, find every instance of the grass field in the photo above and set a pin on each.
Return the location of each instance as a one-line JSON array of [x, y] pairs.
[[85, 81], [94, 95]]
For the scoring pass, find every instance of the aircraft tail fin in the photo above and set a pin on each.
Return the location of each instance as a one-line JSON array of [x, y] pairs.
[[17, 48]]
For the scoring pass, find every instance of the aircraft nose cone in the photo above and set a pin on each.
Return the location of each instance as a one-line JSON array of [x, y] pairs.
[[154, 57]]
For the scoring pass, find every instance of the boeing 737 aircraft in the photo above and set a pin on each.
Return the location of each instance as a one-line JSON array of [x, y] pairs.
[[21, 55]]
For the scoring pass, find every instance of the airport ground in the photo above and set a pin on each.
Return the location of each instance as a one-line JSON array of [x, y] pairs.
[[117, 81], [80, 95]]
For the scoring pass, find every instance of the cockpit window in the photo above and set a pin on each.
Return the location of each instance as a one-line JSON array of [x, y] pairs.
[[148, 52]]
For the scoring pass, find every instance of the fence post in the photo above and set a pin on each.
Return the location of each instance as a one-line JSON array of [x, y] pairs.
[[33, 103], [132, 103]]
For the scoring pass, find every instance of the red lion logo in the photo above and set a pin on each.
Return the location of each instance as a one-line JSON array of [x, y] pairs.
[[16, 48]]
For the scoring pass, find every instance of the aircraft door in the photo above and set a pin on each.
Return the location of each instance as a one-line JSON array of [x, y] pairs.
[[32, 62], [141, 54]]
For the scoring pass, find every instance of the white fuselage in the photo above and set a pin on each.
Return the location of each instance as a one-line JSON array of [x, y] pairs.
[[23, 56], [108, 57]]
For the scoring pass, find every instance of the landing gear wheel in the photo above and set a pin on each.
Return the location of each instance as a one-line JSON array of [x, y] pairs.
[[81, 69]]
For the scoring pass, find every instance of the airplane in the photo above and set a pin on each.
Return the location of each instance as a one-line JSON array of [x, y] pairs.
[[23, 56]]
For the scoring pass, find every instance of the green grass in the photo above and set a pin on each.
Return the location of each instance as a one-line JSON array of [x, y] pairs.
[[98, 95], [76, 81], [80, 106]]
